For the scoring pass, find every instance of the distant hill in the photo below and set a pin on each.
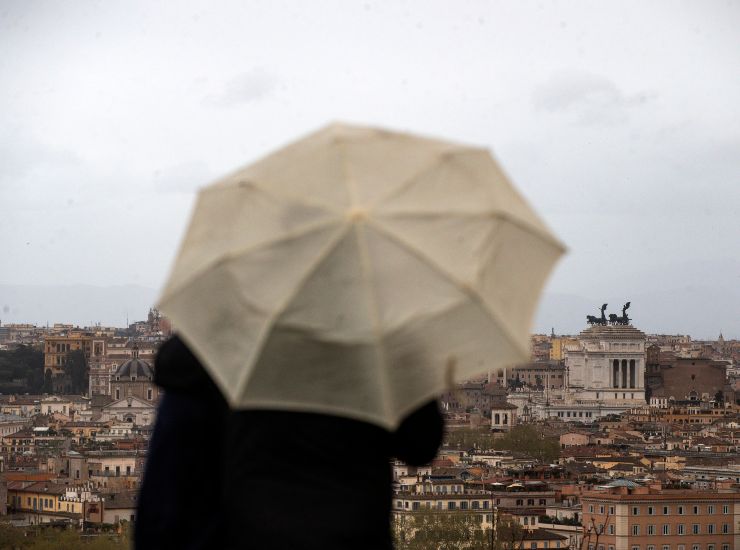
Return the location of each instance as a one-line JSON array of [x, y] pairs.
[[77, 304], [701, 311]]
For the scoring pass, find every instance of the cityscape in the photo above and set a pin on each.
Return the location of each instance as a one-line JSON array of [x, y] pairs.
[[418, 275], [606, 439]]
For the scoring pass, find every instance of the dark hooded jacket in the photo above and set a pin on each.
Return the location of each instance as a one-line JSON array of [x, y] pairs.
[[267, 479]]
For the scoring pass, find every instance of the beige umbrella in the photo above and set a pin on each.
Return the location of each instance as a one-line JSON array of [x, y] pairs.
[[358, 272]]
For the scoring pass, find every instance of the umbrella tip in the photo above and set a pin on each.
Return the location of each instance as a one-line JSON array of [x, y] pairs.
[[356, 214]]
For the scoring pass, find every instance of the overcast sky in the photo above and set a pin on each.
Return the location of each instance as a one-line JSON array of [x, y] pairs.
[[620, 121]]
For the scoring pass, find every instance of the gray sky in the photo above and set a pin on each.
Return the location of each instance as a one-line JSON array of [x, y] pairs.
[[620, 121]]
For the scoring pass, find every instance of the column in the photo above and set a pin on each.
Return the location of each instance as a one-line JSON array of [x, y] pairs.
[[624, 373], [615, 374]]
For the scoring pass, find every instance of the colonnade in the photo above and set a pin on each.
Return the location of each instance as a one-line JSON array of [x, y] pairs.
[[624, 374]]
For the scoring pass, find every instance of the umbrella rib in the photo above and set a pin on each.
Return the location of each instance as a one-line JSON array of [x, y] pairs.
[[498, 214], [405, 184], [372, 299], [461, 285], [366, 269], [298, 199], [305, 230], [270, 323], [281, 196]]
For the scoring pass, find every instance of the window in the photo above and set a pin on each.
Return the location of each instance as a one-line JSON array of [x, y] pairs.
[[591, 508], [666, 547], [543, 502], [635, 530], [519, 502], [149, 394], [696, 510], [450, 505], [611, 510], [725, 547], [485, 504], [666, 510], [611, 529], [725, 509], [710, 509], [651, 529], [710, 546], [635, 547], [414, 505], [666, 529], [530, 502], [695, 529], [651, 510], [650, 547], [635, 510], [475, 505], [725, 528], [680, 510], [601, 509], [696, 547], [681, 529], [463, 505]]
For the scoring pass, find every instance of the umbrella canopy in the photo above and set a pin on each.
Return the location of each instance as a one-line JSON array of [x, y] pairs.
[[358, 272]]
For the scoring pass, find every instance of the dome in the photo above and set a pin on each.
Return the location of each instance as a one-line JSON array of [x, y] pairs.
[[134, 369]]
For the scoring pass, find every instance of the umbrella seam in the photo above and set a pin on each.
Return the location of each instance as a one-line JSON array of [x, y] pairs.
[[405, 184], [232, 255], [451, 278], [366, 269], [498, 214], [270, 323], [372, 299], [542, 231], [287, 196]]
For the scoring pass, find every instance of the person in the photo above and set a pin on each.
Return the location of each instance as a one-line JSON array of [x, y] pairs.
[[267, 479]]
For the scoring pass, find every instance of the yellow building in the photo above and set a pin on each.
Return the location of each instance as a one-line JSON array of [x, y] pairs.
[[557, 346], [56, 349], [46, 501]]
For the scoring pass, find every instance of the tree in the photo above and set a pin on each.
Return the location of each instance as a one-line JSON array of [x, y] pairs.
[[454, 530], [526, 438], [25, 363], [469, 438], [78, 372]]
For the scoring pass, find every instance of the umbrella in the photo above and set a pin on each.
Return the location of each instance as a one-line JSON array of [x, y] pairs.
[[358, 272]]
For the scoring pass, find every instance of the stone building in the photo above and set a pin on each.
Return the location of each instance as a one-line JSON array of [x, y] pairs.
[[108, 354], [674, 379], [607, 365], [629, 516], [134, 378], [503, 416]]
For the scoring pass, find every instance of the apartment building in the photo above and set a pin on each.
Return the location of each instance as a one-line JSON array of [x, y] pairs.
[[627, 516]]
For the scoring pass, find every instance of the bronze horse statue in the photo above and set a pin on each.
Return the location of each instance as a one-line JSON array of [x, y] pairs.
[[593, 320]]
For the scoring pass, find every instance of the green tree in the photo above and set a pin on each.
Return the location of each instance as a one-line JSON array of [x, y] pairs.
[[445, 530], [469, 438], [78, 371], [528, 439], [25, 363]]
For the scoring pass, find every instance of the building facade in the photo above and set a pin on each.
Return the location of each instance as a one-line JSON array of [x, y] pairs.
[[632, 517], [607, 365]]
